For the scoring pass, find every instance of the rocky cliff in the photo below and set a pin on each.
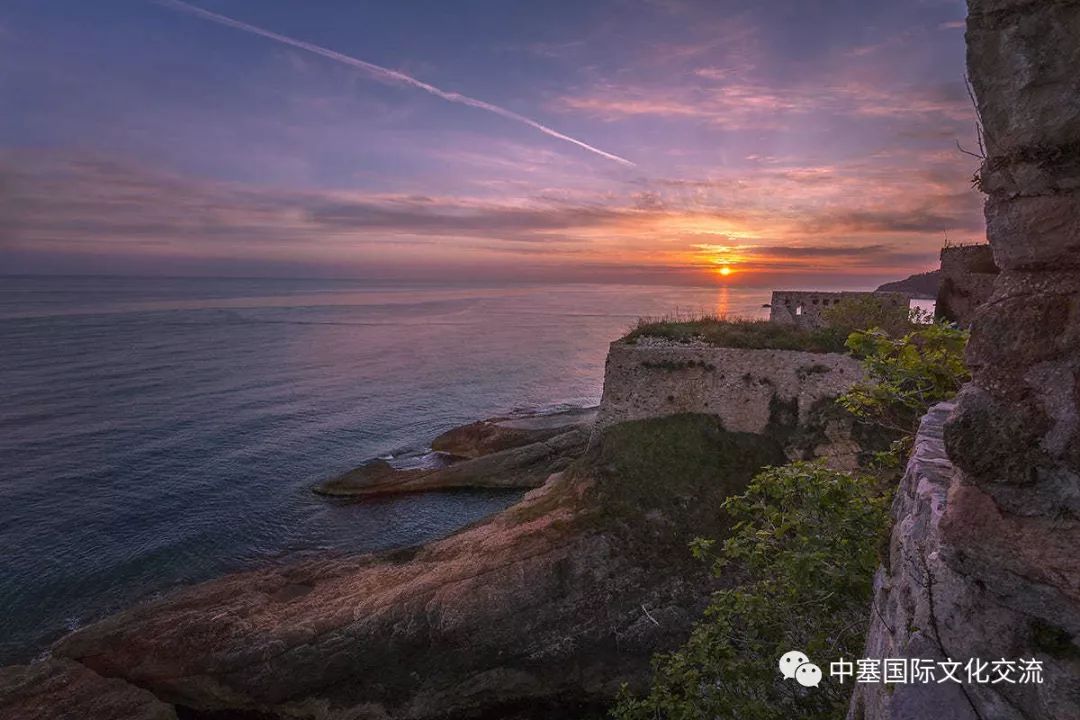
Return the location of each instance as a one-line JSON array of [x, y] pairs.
[[1000, 521], [542, 611]]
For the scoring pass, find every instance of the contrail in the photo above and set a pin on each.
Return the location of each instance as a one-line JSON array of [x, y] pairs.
[[386, 74]]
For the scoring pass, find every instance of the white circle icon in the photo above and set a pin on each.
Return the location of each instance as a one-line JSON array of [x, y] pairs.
[[790, 662], [808, 675]]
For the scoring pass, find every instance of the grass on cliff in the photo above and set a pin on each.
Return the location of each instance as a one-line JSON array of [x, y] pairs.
[[677, 465], [735, 333], [843, 318]]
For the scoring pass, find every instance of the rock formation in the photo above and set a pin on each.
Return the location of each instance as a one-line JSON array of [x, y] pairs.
[[502, 433], [66, 690], [997, 526], [542, 611], [521, 467], [968, 274]]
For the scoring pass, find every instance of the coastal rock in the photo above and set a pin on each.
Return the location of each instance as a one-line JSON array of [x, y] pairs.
[[59, 689], [541, 611], [527, 466], [489, 436]]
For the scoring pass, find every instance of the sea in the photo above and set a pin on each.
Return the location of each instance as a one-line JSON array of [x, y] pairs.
[[156, 432]]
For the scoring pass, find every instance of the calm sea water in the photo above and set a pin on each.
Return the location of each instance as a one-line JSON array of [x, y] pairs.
[[155, 432]]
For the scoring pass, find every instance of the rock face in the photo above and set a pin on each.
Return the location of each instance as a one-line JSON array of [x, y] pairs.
[[1005, 543], [527, 466], [968, 274], [65, 690], [784, 393], [509, 452], [489, 436], [541, 611]]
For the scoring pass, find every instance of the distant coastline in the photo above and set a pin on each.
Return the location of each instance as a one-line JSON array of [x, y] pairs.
[[923, 286]]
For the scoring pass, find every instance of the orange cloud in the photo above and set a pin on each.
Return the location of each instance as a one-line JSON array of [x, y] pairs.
[[782, 220]]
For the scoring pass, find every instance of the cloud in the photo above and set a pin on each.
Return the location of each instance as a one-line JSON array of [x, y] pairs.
[[740, 105], [779, 219]]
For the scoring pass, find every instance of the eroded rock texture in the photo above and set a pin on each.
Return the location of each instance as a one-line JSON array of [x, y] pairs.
[[65, 690], [1000, 530]]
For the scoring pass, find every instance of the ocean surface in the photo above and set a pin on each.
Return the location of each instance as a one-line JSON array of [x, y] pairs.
[[156, 432]]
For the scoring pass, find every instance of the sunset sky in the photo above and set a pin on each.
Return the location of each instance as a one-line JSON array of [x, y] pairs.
[[794, 142]]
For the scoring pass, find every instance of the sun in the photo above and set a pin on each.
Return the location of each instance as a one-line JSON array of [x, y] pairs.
[[725, 270]]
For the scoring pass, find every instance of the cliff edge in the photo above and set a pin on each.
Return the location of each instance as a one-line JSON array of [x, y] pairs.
[[1000, 524]]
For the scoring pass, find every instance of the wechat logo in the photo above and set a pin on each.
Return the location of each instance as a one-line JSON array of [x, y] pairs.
[[796, 665]]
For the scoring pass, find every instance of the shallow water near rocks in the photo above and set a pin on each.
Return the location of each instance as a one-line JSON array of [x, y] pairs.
[[156, 432]]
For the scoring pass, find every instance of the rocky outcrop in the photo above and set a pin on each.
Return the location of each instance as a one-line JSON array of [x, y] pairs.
[[926, 605], [541, 611], [527, 466], [505, 452], [1008, 530], [66, 690], [496, 434]]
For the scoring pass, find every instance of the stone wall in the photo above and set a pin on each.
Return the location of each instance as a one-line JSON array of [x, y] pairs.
[[806, 308], [968, 274], [1006, 535], [781, 392]]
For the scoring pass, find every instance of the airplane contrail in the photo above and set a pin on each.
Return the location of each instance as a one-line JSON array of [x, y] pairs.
[[386, 74]]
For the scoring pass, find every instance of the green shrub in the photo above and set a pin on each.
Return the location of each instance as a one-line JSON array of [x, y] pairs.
[[804, 548], [868, 311], [801, 557], [905, 376]]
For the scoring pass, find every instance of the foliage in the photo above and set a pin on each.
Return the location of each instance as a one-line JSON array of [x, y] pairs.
[[868, 311], [654, 464], [724, 332], [804, 547], [906, 375], [802, 554]]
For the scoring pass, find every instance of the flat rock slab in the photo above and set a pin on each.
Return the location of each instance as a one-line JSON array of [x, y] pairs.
[[526, 466], [502, 433]]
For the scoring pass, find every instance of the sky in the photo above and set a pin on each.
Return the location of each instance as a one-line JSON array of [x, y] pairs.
[[793, 143]]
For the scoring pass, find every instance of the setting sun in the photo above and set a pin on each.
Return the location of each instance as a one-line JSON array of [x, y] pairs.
[[725, 271]]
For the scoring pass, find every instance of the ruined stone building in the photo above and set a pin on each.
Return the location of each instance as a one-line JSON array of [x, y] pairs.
[[809, 308]]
